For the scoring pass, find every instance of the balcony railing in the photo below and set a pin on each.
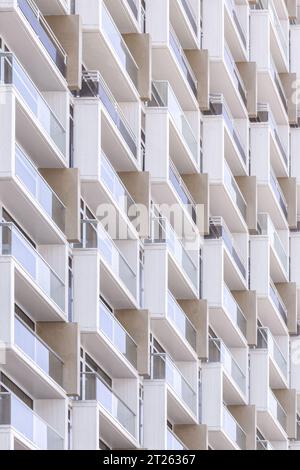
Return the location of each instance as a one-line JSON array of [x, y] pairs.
[[163, 368], [233, 429], [94, 236], [266, 115], [14, 412], [173, 443], [13, 243], [39, 188], [134, 7], [183, 61], [232, 8], [267, 228], [218, 229], [265, 340], [44, 33], [164, 97], [219, 353], [163, 232], [269, 5], [263, 445], [117, 335], [277, 410], [190, 14], [234, 190], [35, 348], [279, 304], [118, 44], [93, 388], [93, 85], [278, 194], [219, 107], [12, 73], [179, 319], [234, 311], [114, 184], [182, 192], [278, 84], [235, 74]]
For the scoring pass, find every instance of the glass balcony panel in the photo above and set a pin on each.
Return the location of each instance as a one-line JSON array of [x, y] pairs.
[[163, 368], [163, 232], [13, 412], [95, 236], [235, 74], [278, 84], [44, 33], [163, 97], [277, 410], [134, 6], [219, 353], [234, 311], [182, 61], [13, 243], [233, 429], [39, 189], [181, 322], [267, 228], [35, 348], [279, 304], [182, 192], [119, 46], [267, 341], [234, 190], [93, 388], [232, 8], [115, 185], [117, 335], [11, 72], [173, 443], [190, 14], [278, 194]]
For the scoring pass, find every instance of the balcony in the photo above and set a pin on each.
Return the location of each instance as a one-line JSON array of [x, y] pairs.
[[235, 74], [39, 188], [234, 311], [95, 86], [219, 230], [234, 190], [263, 445], [30, 429], [105, 50], [112, 408], [12, 73], [33, 346], [219, 353], [219, 107], [265, 114], [241, 31], [117, 335], [279, 257], [278, 302], [181, 322], [118, 278], [173, 443], [233, 430], [163, 232], [278, 194], [13, 243], [44, 33], [164, 97], [163, 368], [277, 410], [182, 61], [265, 340], [189, 11], [182, 192]]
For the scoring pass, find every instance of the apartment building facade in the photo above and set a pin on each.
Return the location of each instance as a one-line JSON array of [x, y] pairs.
[[149, 232]]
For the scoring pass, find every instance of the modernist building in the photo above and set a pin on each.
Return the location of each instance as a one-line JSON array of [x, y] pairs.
[[138, 334]]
